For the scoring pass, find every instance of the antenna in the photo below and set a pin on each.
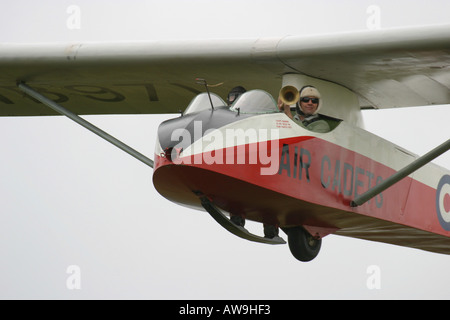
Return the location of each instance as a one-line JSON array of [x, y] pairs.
[[203, 82]]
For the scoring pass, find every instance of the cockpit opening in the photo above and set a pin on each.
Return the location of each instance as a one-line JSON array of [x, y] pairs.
[[252, 102]]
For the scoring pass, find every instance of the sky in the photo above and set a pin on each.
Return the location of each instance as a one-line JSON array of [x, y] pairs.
[[80, 219]]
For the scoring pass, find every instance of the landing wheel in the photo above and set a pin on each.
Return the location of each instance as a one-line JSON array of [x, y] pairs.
[[303, 246]]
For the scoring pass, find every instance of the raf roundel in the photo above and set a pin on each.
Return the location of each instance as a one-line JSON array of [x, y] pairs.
[[443, 202]]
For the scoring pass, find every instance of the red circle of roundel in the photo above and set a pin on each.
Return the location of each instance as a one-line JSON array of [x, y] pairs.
[[447, 202], [443, 202]]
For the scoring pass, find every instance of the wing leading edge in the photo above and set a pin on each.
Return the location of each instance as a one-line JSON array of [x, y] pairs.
[[385, 68]]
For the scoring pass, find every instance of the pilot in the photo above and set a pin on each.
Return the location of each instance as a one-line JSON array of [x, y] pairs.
[[234, 94], [306, 110]]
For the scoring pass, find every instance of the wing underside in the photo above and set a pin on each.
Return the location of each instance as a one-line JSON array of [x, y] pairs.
[[385, 68]]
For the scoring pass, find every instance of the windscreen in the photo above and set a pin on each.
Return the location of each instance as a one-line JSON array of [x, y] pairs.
[[255, 102], [201, 102]]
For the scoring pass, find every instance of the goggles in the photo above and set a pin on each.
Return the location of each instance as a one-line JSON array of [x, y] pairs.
[[306, 100]]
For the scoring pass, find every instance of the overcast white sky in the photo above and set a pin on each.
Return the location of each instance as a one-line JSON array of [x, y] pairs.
[[68, 198]]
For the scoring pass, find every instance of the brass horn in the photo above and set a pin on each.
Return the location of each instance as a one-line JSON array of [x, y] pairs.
[[289, 95]]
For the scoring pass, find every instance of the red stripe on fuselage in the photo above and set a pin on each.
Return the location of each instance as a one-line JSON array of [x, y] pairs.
[[321, 176]]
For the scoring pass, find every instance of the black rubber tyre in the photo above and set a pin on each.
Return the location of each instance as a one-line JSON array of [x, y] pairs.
[[303, 246]]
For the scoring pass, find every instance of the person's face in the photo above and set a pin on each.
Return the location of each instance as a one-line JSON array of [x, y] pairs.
[[309, 105]]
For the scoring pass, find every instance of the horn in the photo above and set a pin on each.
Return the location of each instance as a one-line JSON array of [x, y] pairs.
[[289, 95]]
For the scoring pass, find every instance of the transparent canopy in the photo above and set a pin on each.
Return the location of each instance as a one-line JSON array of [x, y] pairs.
[[201, 102], [250, 102], [255, 102]]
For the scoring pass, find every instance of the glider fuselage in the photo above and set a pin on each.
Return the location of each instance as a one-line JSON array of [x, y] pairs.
[[266, 168]]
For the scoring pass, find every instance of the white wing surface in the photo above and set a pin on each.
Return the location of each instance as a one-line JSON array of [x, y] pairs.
[[385, 68]]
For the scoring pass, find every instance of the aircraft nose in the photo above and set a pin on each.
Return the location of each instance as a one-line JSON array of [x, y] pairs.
[[178, 134]]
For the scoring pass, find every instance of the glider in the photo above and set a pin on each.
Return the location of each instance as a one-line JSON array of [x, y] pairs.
[[347, 181]]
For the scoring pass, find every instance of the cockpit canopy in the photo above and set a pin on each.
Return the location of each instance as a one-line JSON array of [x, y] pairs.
[[202, 102], [250, 102], [255, 102]]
